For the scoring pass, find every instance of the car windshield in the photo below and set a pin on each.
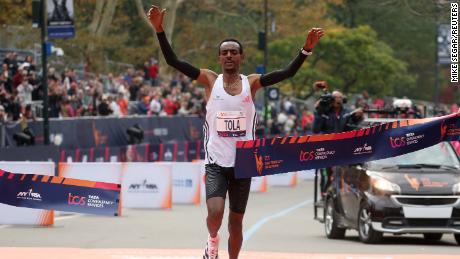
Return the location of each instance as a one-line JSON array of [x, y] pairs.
[[441, 154]]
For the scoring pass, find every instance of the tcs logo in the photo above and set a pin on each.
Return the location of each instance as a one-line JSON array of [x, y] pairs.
[[76, 200], [306, 156], [397, 142]]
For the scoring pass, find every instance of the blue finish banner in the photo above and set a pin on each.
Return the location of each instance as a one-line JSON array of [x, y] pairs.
[[280, 155], [60, 19], [59, 193]]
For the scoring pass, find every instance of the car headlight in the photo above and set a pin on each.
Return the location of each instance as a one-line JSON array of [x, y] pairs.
[[456, 188], [385, 185]]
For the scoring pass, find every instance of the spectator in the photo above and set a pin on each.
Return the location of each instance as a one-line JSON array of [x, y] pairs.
[[110, 86], [3, 116], [332, 117], [306, 121], [25, 91], [129, 76], [123, 104], [155, 105], [11, 62], [66, 109], [30, 60], [37, 93], [153, 72], [184, 109], [14, 108], [169, 105], [143, 107], [103, 108], [54, 97], [146, 71], [114, 106], [134, 88], [19, 77]]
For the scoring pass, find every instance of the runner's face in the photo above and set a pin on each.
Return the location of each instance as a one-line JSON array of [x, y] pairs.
[[230, 57]]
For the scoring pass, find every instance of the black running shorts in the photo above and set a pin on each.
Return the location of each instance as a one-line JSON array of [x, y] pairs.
[[220, 179]]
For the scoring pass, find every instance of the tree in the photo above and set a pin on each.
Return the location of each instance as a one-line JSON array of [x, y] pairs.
[[408, 26], [352, 60]]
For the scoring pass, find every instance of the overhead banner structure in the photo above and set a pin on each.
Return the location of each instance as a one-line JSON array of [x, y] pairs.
[[59, 193], [289, 154], [60, 19]]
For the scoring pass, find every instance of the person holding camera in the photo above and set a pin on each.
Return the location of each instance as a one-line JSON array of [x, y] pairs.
[[331, 116]]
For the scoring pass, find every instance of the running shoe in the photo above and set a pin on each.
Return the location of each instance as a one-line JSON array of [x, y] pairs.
[[212, 248]]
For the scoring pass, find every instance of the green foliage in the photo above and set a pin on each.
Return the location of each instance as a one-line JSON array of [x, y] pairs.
[[352, 60], [408, 26], [16, 12]]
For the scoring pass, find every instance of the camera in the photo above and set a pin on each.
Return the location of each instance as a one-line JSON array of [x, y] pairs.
[[326, 99]]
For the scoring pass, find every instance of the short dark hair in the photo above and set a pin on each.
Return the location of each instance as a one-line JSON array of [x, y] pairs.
[[231, 40]]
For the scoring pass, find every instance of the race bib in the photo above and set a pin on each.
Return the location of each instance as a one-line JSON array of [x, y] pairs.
[[231, 124]]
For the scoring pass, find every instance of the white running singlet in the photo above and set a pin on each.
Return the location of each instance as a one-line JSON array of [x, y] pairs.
[[228, 119]]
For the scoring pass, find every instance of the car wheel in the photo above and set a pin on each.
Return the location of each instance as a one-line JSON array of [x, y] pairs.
[[432, 236], [333, 231], [366, 233], [457, 238]]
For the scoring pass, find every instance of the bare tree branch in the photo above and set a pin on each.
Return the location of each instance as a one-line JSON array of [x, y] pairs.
[[411, 10], [250, 21], [96, 16], [107, 17], [141, 13], [390, 2]]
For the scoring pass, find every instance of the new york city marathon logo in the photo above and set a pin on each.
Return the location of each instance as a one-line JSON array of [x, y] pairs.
[[364, 149], [29, 195]]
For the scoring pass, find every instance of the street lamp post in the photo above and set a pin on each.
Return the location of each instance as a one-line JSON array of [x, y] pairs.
[[265, 64], [44, 39]]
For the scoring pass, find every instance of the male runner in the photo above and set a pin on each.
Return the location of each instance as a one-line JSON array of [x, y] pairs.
[[230, 117]]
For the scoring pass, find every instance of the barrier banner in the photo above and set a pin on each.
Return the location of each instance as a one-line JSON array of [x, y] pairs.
[[168, 152], [186, 183], [85, 155], [68, 156], [288, 154], [30, 153], [59, 193], [147, 185], [193, 152], [114, 154], [89, 132], [181, 155], [101, 154], [98, 172], [136, 153], [154, 153], [26, 216]]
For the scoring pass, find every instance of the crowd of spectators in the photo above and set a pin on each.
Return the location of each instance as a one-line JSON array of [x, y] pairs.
[[143, 92], [136, 92]]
